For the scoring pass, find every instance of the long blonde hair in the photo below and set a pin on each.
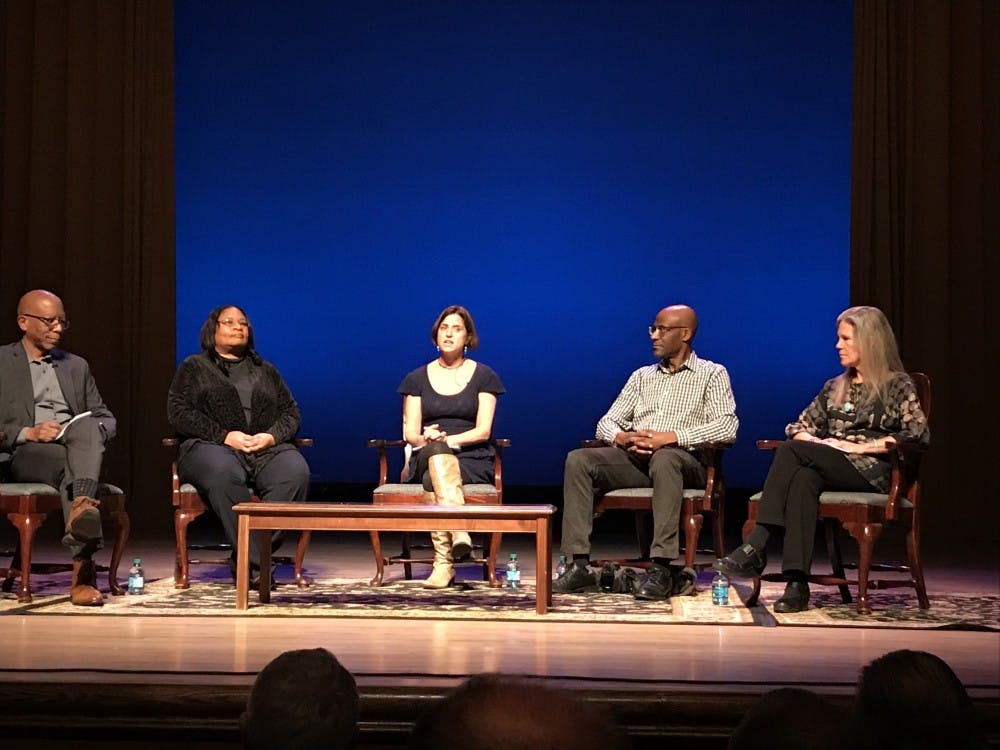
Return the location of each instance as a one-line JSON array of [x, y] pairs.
[[877, 346]]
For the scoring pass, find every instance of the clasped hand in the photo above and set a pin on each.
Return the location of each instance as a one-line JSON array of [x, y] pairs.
[[240, 441], [434, 434], [849, 446], [644, 442]]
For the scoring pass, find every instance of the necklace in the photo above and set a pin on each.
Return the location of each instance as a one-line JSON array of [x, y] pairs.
[[443, 366]]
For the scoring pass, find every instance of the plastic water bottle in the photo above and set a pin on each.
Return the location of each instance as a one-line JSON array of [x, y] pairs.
[[720, 590], [513, 572], [136, 577], [561, 567]]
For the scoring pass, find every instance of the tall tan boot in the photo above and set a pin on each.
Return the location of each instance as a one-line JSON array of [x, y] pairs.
[[443, 573], [83, 591], [446, 476]]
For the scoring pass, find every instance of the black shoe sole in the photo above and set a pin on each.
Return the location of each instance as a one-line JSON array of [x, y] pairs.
[[651, 597], [734, 570]]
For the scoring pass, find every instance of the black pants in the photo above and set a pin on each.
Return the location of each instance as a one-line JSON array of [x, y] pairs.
[[225, 477], [799, 473], [75, 459], [667, 471]]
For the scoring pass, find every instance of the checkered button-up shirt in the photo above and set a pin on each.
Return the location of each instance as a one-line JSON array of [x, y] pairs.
[[695, 402]]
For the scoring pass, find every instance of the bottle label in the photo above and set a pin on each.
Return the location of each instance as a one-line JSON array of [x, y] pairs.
[[720, 593]]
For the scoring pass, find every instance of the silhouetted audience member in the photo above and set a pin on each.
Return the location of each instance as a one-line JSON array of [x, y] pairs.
[[302, 700], [494, 712], [792, 719], [913, 700]]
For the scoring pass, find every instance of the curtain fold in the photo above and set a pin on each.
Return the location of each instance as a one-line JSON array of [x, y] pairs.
[[87, 207], [924, 233]]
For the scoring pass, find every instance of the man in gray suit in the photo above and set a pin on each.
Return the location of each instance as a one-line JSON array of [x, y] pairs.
[[53, 428]]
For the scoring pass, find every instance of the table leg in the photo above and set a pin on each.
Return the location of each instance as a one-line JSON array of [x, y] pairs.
[[263, 539], [543, 565], [242, 562]]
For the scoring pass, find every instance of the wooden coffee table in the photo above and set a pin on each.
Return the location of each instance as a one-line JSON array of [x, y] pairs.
[[307, 516]]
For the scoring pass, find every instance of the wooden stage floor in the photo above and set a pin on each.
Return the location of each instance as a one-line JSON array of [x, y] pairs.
[[182, 679]]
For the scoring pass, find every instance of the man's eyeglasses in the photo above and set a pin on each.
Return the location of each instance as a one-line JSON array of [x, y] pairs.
[[653, 330], [50, 322], [233, 323]]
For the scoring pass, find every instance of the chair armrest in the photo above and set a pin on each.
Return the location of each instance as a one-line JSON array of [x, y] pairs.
[[769, 445], [304, 442], [593, 443], [500, 442], [382, 443], [170, 442]]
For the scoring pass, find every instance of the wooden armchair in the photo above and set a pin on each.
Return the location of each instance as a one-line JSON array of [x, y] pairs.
[[188, 505], [863, 515], [700, 502], [26, 504], [412, 494]]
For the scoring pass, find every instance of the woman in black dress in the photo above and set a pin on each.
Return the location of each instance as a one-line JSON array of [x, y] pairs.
[[448, 408]]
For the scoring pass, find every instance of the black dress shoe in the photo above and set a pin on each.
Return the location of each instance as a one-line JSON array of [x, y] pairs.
[[575, 579], [743, 562], [795, 598], [659, 584]]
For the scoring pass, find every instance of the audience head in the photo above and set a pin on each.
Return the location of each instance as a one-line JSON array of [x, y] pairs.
[[493, 712], [792, 719], [227, 330], [302, 700], [471, 338], [913, 700], [42, 320]]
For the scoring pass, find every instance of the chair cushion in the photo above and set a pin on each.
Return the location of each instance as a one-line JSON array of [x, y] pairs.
[[840, 497], [417, 490], [37, 488], [27, 488], [648, 492]]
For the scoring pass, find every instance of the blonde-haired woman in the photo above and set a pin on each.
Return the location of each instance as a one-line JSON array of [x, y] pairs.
[[838, 442], [448, 408]]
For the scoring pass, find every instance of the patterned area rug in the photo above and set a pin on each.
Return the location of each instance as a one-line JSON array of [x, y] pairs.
[[405, 600], [474, 600], [891, 608], [44, 590]]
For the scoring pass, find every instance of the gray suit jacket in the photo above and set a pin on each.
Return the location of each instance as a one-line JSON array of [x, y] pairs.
[[17, 398]]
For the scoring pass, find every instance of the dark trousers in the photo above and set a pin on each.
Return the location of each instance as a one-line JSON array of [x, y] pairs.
[[76, 458], [799, 473], [474, 470], [225, 477], [667, 471]]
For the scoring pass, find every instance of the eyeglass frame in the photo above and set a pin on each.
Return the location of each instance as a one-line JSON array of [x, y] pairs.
[[50, 322], [654, 329], [232, 323]]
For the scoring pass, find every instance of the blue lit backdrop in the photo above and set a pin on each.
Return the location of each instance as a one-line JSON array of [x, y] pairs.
[[563, 168]]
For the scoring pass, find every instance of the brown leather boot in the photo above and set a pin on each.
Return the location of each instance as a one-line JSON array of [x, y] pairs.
[[446, 476], [84, 522], [83, 592]]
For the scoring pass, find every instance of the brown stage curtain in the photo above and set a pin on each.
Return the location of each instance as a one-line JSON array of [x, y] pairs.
[[924, 235], [87, 206]]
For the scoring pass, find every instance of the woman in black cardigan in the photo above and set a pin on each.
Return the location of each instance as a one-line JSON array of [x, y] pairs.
[[237, 420]]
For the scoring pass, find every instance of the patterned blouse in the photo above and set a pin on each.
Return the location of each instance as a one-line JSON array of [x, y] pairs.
[[860, 420]]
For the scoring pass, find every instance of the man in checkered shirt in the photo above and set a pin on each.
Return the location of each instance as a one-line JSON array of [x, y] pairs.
[[652, 431]]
